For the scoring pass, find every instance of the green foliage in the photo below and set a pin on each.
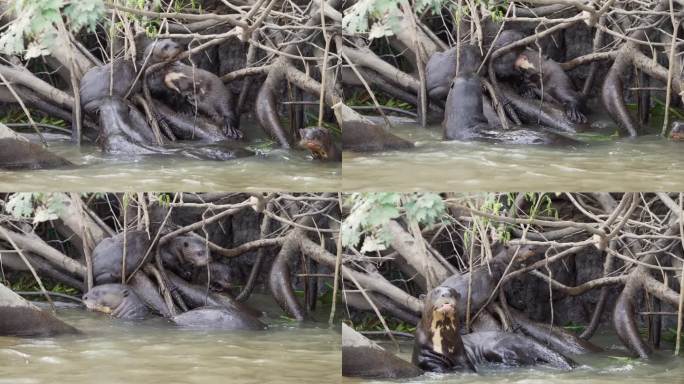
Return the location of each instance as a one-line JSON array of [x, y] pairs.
[[362, 98], [574, 327], [370, 322], [370, 212], [26, 282], [18, 116], [34, 28], [382, 14], [670, 335], [41, 206]]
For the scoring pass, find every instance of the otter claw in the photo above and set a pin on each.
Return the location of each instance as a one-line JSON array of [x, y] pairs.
[[233, 133], [575, 116]]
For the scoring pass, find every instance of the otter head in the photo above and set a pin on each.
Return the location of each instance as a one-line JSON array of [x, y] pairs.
[[106, 297], [677, 133], [193, 250], [523, 63], [526, 251], [441, 302], [316, 140], [162, 50]]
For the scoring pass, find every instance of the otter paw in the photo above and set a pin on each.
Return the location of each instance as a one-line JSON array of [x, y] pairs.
[[575, 115], [233, 133]]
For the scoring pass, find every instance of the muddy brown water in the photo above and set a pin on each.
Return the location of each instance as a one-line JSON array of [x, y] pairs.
[[617, 164], [609, 367], [113, 351], [269, 170]]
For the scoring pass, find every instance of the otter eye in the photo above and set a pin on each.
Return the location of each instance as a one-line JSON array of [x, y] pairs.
[[185, 244]]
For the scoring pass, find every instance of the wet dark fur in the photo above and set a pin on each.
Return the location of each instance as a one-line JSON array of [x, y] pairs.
[[319, 141], [442, 328], [548, 75], [441, 68]]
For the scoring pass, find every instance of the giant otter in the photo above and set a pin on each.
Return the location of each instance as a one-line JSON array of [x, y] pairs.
[[504, 65], [366, 137], [206, 92], [511, 349], [202, 88], [116, 300], [554, 337], [438, 346], [319, 141], [124, 129], [97, 83], [442, 67], [184, 253], [464, 118], [677, 132], [213, 317], [541, 72], [108, 254], [18, 154]]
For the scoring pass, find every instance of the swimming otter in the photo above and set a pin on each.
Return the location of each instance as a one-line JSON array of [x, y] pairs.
[[438, 346], [18, 154], [677, 132], [319, 141], [541, 71], [213, 317], [116, 300], [441, 68]]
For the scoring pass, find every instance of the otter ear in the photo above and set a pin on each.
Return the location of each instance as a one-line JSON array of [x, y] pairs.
[[421, 296]]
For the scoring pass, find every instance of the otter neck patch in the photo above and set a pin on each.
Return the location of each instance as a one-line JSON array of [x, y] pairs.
[[442, 325], [170, 79]]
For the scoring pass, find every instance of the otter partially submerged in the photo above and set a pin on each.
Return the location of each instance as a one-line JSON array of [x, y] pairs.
[[464, 118], [545, 77], [439, 346], [319, 141], [125, 131], [442, 67], [116, 300], [677, 132]]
